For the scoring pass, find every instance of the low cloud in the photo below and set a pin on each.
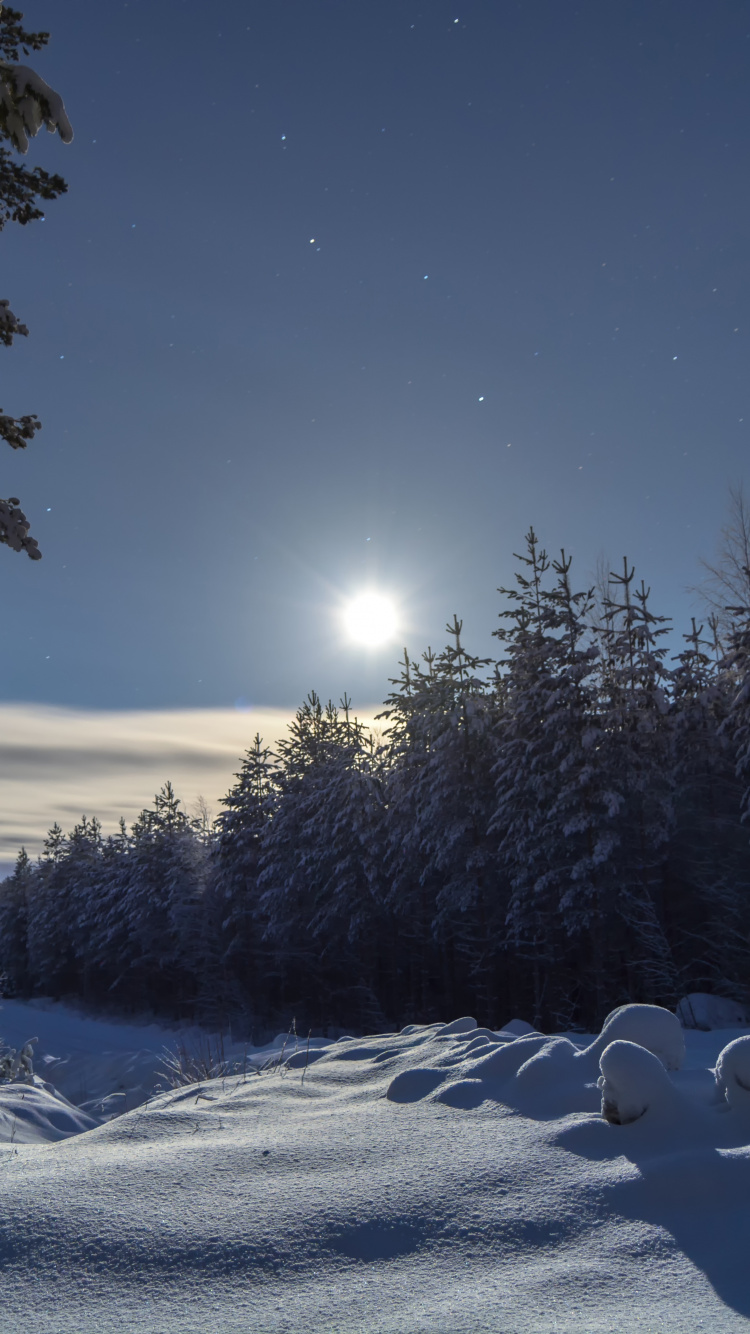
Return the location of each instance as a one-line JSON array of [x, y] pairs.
[[58, 764]]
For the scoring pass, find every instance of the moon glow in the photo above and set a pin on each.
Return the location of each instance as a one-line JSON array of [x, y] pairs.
[[370, 619]]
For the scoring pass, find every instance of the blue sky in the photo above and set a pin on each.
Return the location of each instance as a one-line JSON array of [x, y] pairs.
[[348, 295]]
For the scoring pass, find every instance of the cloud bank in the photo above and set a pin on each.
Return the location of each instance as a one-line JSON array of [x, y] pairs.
[[58, 764]]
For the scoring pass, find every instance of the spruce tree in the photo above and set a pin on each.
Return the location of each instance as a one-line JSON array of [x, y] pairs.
[[638, 788], [14, 913], [550, 814], [319, 865], [231, 911], [166, 871], [26, 104], [443, 889], [708, 866], [50, 937], [523, 781]]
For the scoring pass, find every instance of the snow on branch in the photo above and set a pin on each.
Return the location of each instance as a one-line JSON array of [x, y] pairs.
[[10, 325], [14, 529], [17, 431], [26, 104]]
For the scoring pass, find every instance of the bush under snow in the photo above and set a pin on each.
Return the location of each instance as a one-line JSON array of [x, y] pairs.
[[733, 1074], [650, 1026]]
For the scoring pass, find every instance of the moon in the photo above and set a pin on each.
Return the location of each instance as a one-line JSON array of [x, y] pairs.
[[370, 619]]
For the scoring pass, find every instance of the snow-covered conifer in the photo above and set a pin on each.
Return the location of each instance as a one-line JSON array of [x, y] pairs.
[[319, 869], [708, 878], [163, 889], [444, 890], [547, 815], [636, 766], [231, 902], [14, 896], [27, 104]]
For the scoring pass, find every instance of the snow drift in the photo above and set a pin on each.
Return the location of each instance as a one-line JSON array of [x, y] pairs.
[[448, 1177]]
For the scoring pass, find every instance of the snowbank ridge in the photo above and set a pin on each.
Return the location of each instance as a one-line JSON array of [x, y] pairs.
[[449, 1177]]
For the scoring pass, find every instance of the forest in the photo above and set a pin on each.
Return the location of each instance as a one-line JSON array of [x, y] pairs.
[[547, 834]]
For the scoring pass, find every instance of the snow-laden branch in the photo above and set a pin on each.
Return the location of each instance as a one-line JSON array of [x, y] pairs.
[[26, 104], [17, 431], [14, 529], [10, 325]]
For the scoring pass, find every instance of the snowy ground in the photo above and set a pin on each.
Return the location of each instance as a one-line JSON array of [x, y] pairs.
[[108, 1067], [433, 1180]]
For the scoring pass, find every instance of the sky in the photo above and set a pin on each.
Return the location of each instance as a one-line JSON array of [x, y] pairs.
[[347, 295]]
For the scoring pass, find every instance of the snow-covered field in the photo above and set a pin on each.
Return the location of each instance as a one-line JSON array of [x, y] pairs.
[[446, 1178]]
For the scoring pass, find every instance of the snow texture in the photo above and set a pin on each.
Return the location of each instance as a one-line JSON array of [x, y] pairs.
[[38, 1113], [448, 1177]]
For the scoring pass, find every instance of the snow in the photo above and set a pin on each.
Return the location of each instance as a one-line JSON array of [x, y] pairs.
[[27, 103], [447, 1177], [733, 1074], [634, 1081], [701, 1011], [110, 1067], [38, 1114], [658, 1030]]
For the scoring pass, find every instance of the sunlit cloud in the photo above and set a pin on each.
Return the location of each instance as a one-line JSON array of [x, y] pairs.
[[59, 764]]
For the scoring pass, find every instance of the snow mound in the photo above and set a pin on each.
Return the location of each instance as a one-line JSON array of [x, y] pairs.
[[553, 1061], [539, 1075], [518, 1028], [704, 1012], [633, 1081], [733, 1074], [411, 1085], [649, 1026], [465, 1025], [37, 1114]]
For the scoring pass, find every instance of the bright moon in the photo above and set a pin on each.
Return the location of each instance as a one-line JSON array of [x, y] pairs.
[[370, 619]]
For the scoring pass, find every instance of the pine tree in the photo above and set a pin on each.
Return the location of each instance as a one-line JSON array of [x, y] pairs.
[[708, 851], [50, 946], [82, 878], [443, 882], [14, 901], [524, 781], [550, 813], [737, 669], [232, 902], [166, 870], [637, 775], [319, 865], [108, 952], [26, 104]]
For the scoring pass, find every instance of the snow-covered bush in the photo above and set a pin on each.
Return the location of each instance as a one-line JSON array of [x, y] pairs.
[[733, 1073], [705, 1012], [650, 1026], [633, 1081], [17, 1067], [194, 1065]]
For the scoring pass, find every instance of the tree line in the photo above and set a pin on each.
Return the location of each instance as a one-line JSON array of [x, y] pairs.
[[548, 833]]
